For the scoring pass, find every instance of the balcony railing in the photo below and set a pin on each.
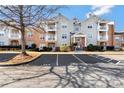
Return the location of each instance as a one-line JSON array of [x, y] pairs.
[[51, 28], [102, 28], [122, 41], [102, 38], [15, 36], [51, 39]]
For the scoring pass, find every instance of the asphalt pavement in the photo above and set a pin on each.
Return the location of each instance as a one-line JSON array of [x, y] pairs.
[[6, 56], [67, 59]]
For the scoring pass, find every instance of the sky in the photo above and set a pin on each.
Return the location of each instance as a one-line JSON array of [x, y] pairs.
[[110, 12]]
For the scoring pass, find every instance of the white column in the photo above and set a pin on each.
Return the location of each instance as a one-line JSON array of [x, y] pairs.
[[74, 39], [98, 37], [106, 35], [9, 33], [85, 42]]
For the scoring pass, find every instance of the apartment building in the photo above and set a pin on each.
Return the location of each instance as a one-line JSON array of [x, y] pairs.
[[9, 36], [61, 31], [119, 39], [35, 36]]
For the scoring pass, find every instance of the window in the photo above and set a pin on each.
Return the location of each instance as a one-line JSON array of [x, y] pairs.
[[64, 26], [2, 33], [117, 39], [89, 36], [64, 36], [89, 26], [64, 44], [76, 29], [51, 37], [42, 37], [30, 43], [1, 43], [77, 39], [42, 45], [30, 34]]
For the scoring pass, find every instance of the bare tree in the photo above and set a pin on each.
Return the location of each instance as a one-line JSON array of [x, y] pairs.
[[21, 17]]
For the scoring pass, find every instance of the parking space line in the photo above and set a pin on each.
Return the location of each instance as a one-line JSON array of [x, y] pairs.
[[118, 62], [102, 58], [79, 59], [106, 58], [99, 58], [57, 63]]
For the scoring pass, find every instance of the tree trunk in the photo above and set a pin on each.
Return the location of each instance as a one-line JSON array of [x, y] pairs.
[[23, 43], [23, 50]]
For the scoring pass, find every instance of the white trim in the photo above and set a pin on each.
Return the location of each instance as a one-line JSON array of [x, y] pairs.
[[57, 62]]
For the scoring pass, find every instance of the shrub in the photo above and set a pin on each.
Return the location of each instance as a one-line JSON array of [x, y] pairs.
[[47, 48], [110, 48], [57, 49], [90, 47], [122, 48], [74, 44], [33, 46]]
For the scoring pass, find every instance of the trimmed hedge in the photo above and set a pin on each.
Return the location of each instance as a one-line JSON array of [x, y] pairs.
[[19, 47], [110, 48], [47, 49], [92, 47]]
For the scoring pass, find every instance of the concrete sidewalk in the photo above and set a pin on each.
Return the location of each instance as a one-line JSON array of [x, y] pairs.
[[72, 52]]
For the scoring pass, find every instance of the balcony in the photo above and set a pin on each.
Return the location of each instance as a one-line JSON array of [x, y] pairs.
[[51, 28], [122, 41], [102, 27], [51, 39], [14, 36], [102, 38]]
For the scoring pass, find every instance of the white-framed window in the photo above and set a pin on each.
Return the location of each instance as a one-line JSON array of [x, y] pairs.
[[42, 45], [64, 26], [77, 39], [90, 36], [30, 43], [2, 33], [51, 37], [89, 26], [64, 36], [42, 37], [64, 44], [76, 29], [1, 43], [30, 34], [117, 39]]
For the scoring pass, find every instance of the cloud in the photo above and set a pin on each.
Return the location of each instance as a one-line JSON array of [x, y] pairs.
[[101, 9]]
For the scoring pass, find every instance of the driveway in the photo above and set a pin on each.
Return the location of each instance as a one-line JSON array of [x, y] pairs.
[[6, 56]]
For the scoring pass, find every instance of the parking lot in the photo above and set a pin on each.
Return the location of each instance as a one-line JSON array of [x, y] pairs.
[[64, 70], [68, 59], [6, 56]]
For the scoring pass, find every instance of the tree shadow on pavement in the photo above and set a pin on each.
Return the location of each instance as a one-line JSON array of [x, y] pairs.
[[81, 76], [90, 76]]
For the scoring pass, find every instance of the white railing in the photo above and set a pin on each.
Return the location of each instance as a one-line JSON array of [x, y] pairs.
[[15, 36], [103, 28], [51, 28], [102, 38]]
